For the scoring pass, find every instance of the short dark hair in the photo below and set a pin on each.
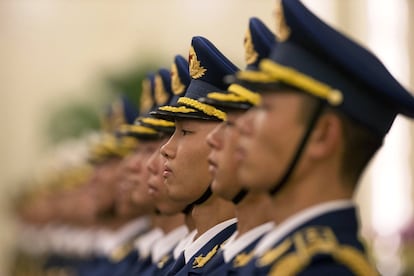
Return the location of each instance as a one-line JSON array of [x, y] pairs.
[[360, 145], [360, 142]]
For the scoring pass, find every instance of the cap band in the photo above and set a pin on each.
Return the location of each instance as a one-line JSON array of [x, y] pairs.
[[247, 94], [177, 109], [158, 122], [139, 129], [302, 81], [205, 108]]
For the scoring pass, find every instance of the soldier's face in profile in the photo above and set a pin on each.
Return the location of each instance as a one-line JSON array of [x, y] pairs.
[[186, 168], [269, 136], [137, 175], [156, 187], [103, 183], [223, 164], [124, 205]]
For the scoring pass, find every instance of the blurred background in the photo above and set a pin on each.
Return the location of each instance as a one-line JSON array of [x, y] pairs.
[[63, 61]]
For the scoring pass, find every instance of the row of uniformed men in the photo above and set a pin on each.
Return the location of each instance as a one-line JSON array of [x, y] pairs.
[[251, 174]]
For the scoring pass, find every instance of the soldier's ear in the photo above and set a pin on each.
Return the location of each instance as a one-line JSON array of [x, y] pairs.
[[326, 137]]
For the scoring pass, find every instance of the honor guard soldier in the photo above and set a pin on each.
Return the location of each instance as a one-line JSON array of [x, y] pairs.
[[118, 220], [186, 167], [168, 250], [252, 209], [171, 225], [328, 106]]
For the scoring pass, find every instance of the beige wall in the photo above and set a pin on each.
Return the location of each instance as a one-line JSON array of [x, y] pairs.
[[55, 50]]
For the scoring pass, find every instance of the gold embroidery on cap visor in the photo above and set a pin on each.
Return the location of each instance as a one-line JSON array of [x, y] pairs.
[[177, 109], [205, 108], [273, 72], [138, 129], [176, 85], [111, 146], [245, 93], [225, 97], [158, 122], [250, 53], [196, 70]]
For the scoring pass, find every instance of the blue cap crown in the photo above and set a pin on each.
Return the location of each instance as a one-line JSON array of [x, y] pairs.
[[146, 127], [147, 99], [162, 87], [317, 59], [258, 43], [207, 68], [180, 78], [119, 112]]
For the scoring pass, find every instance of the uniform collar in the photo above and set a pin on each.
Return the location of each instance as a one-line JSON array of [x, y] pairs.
[[235, 245], [184, 243], [166, 243], [108, 240], [205, 238], [145, 242], [298, 219]]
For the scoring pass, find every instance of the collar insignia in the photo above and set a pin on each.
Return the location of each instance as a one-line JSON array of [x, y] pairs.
[[242, 259], [163, 261], [201, 261]]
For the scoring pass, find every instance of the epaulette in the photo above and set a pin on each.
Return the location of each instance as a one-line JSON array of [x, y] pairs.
[[59, 271], [311, 242], [242, 259], [119, 253], [161, 263]]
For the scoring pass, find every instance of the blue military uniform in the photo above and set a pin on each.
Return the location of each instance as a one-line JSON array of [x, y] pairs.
[[207, 67], [115, 252], [319, 240], [197, 264], [313, 58], [258, 42], [162, 252], [143, 246]]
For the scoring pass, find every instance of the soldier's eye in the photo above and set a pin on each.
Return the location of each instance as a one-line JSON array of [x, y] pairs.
[[230, 124], [185, 132]]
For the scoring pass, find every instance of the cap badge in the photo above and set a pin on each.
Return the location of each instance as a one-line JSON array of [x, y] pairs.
[[146, 101], [196, 70], [250, 53], [282, 29], [161, 96], [176, 85]]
